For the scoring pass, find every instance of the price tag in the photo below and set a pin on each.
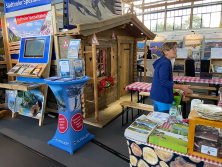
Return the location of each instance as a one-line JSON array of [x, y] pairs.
[[209, 150]]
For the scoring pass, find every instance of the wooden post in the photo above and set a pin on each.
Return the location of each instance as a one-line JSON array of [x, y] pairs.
[[95, 82], [145, 58], [6, 46], [56, 40], [191, 15]]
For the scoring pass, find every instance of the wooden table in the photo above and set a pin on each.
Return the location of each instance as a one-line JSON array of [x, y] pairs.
[[143, 87]]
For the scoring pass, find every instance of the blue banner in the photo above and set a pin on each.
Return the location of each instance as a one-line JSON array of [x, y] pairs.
[[14, 5]]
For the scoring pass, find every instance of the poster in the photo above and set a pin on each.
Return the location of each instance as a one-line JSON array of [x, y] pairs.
[[194, 45], [182, 53], [30, 103], [85, 11], [74, 48], [37, 24], [213, 40], [155, 46]]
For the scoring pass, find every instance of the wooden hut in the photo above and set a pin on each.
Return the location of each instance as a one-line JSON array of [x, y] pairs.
[[120, 54]]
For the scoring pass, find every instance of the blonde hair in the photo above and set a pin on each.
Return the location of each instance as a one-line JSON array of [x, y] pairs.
[[167, 46]]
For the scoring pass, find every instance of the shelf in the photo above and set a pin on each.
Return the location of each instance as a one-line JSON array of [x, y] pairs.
[[42, 73], [178, 70], [2, 62], [216, 58], [20, 87]]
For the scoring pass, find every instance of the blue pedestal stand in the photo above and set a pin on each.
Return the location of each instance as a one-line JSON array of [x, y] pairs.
[[71, 133]]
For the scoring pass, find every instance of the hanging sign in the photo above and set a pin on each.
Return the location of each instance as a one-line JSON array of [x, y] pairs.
[[175, 37], [74, 48], [65, 45], [14, 5], [213, 36], [0, 23], [95, 40], [113, 35], [31, 17]]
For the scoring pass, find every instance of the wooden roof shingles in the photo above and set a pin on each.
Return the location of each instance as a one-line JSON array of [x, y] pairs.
[[87, 29]]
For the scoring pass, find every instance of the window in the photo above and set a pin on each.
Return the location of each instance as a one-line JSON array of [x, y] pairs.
[[203, 16], [154, 21], [101, 62], [178, 19]]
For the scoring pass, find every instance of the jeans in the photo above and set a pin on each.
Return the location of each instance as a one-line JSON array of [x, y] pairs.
[[163, 107]]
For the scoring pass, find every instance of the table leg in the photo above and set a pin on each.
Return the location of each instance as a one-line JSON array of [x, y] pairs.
[[138, 98], [132, 101]]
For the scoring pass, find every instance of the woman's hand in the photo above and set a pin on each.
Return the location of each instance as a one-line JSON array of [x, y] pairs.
[[186, 89]]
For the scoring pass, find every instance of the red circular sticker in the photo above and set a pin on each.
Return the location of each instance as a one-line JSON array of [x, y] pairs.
[[76, 122], [62, 124]]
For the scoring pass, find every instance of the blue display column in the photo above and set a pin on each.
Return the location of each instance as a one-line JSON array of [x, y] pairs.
[[71, 133]]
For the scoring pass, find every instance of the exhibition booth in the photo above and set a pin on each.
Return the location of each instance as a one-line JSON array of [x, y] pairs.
[[87, 74]]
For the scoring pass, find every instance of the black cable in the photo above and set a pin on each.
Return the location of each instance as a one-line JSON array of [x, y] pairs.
[[111, 150]]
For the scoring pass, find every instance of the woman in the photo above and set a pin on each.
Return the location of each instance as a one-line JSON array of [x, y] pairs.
[[162, 87]]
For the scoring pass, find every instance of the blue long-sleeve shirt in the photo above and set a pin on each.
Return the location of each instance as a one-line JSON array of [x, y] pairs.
[[162, 85]]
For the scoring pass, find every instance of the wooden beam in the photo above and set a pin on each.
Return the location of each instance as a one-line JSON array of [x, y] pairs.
[[56, 40], [164, 28], [191, 16], [167, 4], [95, 82], [1, 4], [145, 58], [59, 15], [6, 46]]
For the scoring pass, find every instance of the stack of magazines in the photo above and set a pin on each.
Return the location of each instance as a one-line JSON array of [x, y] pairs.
[[140, 129]]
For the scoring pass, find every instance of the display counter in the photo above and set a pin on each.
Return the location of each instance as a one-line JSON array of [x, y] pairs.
[[146, 154]]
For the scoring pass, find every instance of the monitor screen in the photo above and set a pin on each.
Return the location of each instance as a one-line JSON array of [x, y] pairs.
[[34, 48]]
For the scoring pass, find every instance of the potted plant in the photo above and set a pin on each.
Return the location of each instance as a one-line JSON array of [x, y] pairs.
[[105, 86]]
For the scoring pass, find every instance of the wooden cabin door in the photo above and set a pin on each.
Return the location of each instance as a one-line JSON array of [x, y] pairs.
[[124, 68]]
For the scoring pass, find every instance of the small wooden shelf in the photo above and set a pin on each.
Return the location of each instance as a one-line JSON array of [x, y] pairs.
[[194, 119], [20, 87], [42, 73]]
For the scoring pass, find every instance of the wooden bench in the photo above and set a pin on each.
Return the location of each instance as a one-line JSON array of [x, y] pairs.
[[131, 105], [202, 96], [202, 87]]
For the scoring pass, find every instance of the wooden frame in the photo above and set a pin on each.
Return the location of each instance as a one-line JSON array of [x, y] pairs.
[[100, 63], [194, 119]]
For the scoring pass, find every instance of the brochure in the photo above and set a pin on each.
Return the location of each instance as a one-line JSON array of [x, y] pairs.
[[53, 78], [74, 48], [78, 68], [36, 71], [24, 67], [64, 68], [15, 68], [30, 69]]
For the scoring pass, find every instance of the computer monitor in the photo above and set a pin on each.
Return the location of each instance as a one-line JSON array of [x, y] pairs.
[[34, 48]]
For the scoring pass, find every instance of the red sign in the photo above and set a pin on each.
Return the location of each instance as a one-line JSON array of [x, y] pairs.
[[76, 122], [95, 40], [62, 124], [0, 23], [65, 45], [31, 17], [113, 35]]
